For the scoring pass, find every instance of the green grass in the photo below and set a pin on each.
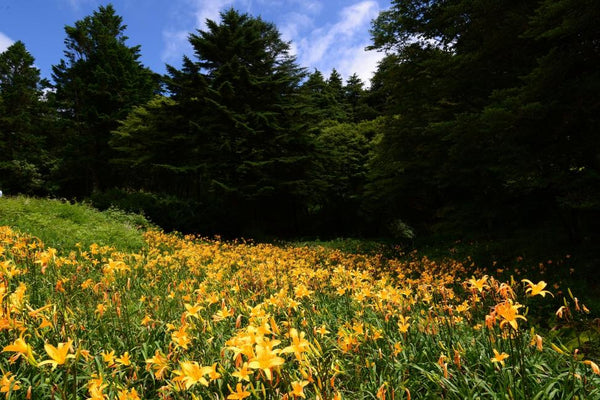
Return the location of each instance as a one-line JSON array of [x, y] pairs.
[[62, 225]]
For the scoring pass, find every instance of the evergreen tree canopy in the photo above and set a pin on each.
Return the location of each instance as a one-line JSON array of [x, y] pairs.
[[22, 150], [242, 124], [490, 113], [356, 96], [97, 83]]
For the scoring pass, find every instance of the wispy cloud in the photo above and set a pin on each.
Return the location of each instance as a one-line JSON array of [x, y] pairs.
[[293, 26], [77, 4], [176, 42], [341, 45], [188, 15], [5, 42], [208, 9], [358, 60], [312, 6]]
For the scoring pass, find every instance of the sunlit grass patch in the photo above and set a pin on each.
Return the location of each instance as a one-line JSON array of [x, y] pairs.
[[62, 225]]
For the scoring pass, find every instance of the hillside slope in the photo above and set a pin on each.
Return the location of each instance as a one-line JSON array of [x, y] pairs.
[[63, 225]]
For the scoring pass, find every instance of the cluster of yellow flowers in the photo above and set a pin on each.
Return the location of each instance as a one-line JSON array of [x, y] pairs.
[[238, 320]]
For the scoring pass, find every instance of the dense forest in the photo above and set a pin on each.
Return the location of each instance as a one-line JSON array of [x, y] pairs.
[[482, 120]]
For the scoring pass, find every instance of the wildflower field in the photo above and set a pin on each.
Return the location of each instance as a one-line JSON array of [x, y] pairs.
[[191, 318]]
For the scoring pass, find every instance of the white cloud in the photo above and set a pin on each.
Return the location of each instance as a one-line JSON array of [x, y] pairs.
[[294, 23], [341, 45], [358, 60], [76, 4], [312, 6], [209, 9], [356, 16], [188, 16], [270, 3], [175, 46], [5, 42]]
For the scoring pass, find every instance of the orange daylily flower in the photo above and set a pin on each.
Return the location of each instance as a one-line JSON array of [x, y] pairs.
[[240, 393], [298, 388], [8, 384], [499, 357], [594, 366]]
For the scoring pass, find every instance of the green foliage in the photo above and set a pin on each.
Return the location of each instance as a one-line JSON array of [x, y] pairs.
[[349, 245], [331, 100], [341, 175], [166, 210], [154, 151], [486, 128], [63, 225], [24, 157], [97, 83], [489, 130], [320, 99], [232, 135], [357, 98]]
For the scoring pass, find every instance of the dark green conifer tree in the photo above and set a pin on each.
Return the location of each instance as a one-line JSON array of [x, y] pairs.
[[97, 83], [24, 159], [241, 129]]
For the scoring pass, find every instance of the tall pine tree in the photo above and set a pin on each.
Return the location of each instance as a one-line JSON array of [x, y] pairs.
[[24, 159], [241, 126], [97, 83]]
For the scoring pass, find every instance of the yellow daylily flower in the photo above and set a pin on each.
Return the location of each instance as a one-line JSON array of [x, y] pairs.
[[266, 358], [128, 394], [124, 359], [299, 344], [509, 313], [403, 323], [190, 374], [96, 388], [478, 284], [536, 288], [159, 363], [58, 355], [21, 347], [243, 374]]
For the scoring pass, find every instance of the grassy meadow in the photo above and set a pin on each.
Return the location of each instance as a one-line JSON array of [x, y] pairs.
[[63, 225], [142, 314]]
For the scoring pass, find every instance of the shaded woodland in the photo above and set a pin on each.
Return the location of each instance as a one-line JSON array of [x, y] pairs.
[[482, 121]]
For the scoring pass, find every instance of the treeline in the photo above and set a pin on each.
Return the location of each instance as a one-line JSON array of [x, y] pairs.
[[481, 120]]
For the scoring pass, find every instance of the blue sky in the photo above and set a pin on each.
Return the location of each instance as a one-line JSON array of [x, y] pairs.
[[324, 34]]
